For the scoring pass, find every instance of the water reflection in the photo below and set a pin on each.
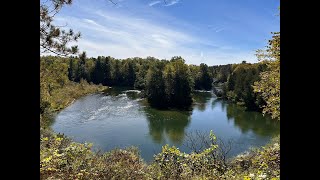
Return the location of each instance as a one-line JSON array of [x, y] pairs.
[[167, 125], [119, 118], [252, 121], [201, 99]]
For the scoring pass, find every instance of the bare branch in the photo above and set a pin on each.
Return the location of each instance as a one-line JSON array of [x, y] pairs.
[[52, 39], [48, 49]]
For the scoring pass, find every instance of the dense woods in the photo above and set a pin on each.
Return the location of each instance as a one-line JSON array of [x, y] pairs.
[[169, 83], [239, 85]]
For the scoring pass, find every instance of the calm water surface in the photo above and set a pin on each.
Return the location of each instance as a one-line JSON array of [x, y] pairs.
[[119, 118]]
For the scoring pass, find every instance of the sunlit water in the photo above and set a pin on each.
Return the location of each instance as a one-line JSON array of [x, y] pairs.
[[120, 118]]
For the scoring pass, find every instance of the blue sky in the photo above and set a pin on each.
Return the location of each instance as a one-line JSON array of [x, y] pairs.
[[201, 31]]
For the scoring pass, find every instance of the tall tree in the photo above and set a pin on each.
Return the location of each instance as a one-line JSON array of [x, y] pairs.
[[98, 72], [142, 70], [155, 87], [178, 83], [107, 69], [81, 72], [169, 75], [117, 75], [129, 72], [71, 69], [205, 78], [183, 85]]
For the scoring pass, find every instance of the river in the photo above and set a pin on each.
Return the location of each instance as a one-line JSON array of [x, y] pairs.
[[120, 118]]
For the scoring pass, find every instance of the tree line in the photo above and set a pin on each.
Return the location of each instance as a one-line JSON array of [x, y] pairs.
[[257, 86], [167, 83], [238, 87], [170, 83]]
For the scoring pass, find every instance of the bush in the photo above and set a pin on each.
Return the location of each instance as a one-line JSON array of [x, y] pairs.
[[62, 159]]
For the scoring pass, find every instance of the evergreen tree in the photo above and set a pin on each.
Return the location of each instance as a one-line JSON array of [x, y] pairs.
[[81, 73], [155, 88], [107, 69], [205, 78], [98, 72]]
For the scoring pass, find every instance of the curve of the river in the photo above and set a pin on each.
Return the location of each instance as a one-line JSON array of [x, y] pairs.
[[119, 118]]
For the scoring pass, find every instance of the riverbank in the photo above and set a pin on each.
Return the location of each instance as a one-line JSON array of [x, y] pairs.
[[63, 97], [60, 158]]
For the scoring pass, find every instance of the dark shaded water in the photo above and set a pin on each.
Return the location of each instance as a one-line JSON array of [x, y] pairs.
[[120, 118]]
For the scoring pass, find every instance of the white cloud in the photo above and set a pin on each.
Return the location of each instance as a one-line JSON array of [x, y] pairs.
[[122, 36], [154, 3], [218, 30], [172, 2]]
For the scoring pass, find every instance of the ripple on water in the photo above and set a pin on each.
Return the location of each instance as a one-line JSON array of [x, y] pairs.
[[109, 110], [133, 90], [106, 97]]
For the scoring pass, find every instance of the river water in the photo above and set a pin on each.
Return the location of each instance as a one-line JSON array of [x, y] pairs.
[[120, 118]]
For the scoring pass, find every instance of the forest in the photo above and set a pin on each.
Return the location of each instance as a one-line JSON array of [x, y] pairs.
[[173, 79]]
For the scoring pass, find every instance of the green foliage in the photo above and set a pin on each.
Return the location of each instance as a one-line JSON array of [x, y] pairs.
[[140, 81], [269, 84], [239, 85], [56, 90], [155, 87], [166, 83], [129, 73], [171, 163], [182, 84], [202, 77], [62, 159], [132, 72], [205, 77], [98, 74], [262, 163], [221, 72], [171, 85]]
